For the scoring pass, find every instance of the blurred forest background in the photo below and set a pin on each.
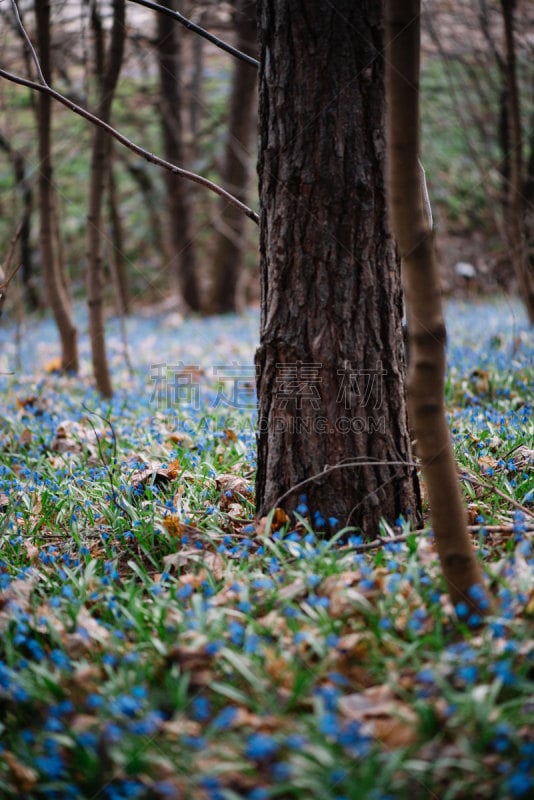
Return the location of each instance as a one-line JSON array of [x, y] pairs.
[[167, 242]]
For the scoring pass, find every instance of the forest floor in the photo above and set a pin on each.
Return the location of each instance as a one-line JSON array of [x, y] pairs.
[[157, 642]]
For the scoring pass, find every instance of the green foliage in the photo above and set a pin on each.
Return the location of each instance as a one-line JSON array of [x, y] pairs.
[[159, 642]]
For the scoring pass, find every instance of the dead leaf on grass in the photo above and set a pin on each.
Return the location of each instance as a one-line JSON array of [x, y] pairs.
[[389, 720], [24, 778]]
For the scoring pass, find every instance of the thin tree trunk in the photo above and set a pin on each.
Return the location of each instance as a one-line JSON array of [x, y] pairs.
[[516, 206], [24, 190], [426, 324], [55, 289], [118, 263], [332, 412], [183, 265], [229, 248], [100, 166], [196, 103]]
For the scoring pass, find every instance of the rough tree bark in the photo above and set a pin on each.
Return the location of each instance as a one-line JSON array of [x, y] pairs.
[[331, 359], [99, 175], [230, 240], [57, 298], [178, 195], [515, 206], [426, 324]]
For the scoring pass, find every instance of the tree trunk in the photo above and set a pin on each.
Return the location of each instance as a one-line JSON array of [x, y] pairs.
[[184, 261], [516, 205], [231, 240], [99, 175], [118, 263], [426, 325], [331, 358], [196, 103], [24, 190], [55, 289]]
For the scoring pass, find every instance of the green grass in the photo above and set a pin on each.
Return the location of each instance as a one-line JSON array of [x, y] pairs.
[[156, 642]]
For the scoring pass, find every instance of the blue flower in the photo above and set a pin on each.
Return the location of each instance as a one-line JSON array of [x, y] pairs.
[[236, 631], [50, 765], [281, 771], [462, 610], [258, 793], [261, 746], [201, 708], [468, 673], [185, 591], [225, 718], [520, 784]]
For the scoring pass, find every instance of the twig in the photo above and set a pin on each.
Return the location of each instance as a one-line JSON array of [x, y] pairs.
[[28, 42], [380, 541], [105, 462], [192, 26], [497, 528], [135, 148], [465, 474]]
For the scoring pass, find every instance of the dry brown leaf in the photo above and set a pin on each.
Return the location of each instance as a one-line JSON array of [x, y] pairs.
[[387, 719], [24, 778], [523, 457], [173, 469], [279, 519], [216, 564], [173, 524], [487, 463], [334, 583], [53, 365], [194, 661], [31, 402], [26, 437], [155, 475], [89, 632], [278, 668], [183, 558], [233, 489], [32, 551], [177, 437]]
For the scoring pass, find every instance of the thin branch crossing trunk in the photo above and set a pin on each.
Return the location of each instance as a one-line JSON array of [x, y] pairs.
[[426, 324]]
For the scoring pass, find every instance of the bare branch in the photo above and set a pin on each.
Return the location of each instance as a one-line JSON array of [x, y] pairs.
[[27, 39], [197, 29], [135, 148]]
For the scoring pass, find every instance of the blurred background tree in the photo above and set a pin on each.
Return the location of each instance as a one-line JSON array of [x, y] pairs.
[[478, 152]]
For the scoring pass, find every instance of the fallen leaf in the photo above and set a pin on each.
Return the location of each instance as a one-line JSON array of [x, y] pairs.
[[155, 475], [24, 778], [26, 437], [233, 489], [279, 519], [54, 365], [387, 719]]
